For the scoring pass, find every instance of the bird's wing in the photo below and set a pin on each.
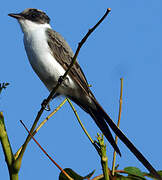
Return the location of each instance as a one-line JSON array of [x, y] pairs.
[[64, 54]]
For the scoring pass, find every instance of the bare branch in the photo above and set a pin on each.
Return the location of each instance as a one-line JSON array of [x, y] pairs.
[[119, 117], [46, 152]]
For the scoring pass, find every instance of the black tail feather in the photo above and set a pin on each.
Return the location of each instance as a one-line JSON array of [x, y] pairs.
[[122, 137], [99, 120], [103, 120]]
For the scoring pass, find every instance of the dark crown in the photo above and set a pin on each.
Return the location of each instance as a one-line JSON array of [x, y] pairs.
[[35, 15]]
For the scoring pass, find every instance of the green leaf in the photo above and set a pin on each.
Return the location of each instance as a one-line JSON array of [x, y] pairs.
[[134, 173], [89, 175], [160, 172], [73, 175], [124, 178], [121, 177]]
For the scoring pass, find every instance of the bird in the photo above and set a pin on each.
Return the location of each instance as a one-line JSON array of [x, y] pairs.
[[50, 56]]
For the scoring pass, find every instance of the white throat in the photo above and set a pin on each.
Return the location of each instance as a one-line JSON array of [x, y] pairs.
[[28, 26]]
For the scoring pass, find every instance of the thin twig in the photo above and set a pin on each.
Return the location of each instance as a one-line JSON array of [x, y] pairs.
[[80, 44], [81, 124], [49, 116], [46, 152], [42, 123], [84, 129], [3, 86], [119, 117]]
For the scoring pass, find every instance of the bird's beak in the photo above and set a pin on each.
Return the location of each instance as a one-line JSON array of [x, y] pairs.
[[17, 16]]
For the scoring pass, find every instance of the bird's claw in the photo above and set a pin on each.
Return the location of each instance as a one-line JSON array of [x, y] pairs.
[[60, 80], [45, 105]]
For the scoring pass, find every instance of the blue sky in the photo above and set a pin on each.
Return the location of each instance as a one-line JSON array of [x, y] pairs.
[[127, 44]]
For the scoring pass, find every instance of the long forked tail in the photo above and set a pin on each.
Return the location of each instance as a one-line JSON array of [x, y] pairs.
[[102, 119]]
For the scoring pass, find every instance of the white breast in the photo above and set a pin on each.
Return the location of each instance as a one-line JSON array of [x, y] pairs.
[[42, 60]]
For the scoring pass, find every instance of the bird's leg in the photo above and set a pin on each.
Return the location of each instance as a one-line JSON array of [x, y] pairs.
[[60, 80], [45, 105]]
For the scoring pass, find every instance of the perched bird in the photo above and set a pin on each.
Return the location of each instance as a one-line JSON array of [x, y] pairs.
[[50, 55]]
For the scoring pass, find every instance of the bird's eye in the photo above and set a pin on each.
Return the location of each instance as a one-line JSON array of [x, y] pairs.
[[34, 15]]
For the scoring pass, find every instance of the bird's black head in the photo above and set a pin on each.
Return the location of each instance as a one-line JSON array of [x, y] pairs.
[[32, 14]]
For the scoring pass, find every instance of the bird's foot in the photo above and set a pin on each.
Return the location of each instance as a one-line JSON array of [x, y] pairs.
[[60, 80], [45, 105]]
